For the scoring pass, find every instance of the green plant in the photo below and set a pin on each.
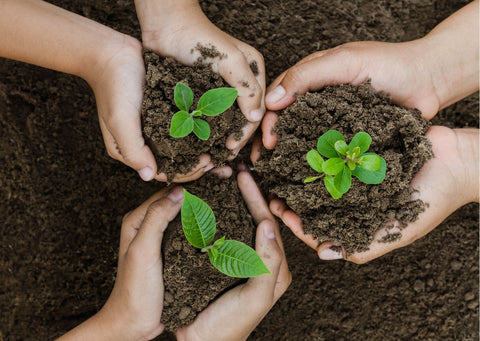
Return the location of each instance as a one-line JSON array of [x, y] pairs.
[[212, 103], [231, 257], [344, 161]]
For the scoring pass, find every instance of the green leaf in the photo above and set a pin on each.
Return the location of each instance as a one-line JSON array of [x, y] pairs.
[[371, 177], [351, 165], [361, 140], [343, 180], [181, 125], [201, 129], [311, 179], [236, 259], [183, 96], [371, 162], [315, 160], [216, 101], [198, 221], [341, 147], [326, 143], [333, 166], [329, 182]]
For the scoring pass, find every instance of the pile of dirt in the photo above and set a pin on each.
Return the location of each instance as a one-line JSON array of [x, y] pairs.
[[398, 135]]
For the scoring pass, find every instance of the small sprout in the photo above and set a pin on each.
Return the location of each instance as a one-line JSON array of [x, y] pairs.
[[343, 161], [231, 257], [212, 103]]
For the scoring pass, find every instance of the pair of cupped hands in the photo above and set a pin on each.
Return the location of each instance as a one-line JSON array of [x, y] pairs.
[[404, 70]]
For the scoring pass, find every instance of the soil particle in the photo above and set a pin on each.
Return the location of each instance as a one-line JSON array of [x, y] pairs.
[[455, 265], [254, 67], [209, 52], [179, 155], [397, 135]]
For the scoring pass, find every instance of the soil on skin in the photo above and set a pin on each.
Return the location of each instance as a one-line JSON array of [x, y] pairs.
[[62, 198], [179, 155], [397, 136], [191, 281]]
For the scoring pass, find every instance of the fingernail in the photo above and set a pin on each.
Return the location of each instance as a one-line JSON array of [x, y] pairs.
[[331, 253], [146, 173], [256, 115], [275, 95], [176, 194], [269, 231]]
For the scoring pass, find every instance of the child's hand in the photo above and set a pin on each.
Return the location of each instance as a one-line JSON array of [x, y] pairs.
[[446, 182], [234, 315], [177, 28], [134, 308]]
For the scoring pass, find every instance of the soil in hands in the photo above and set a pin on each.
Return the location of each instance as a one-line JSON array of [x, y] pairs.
[[179, 155], [191, 281], [397, 135]]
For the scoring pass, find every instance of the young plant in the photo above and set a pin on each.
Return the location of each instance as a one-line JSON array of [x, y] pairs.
[[343, 161], [231, 257], [212, 103]]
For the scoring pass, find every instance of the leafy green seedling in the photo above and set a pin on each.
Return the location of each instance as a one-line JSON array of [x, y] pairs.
[[231, 257], [343, 161], [212, 103]]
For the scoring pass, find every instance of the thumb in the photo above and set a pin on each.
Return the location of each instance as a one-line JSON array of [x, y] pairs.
[[329, 67], [159, 215]]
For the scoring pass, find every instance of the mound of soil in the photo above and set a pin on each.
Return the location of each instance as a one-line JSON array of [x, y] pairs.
[[397, 135], [179, 155], [191, 281]]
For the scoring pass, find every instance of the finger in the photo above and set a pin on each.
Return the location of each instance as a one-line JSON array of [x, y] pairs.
[[125, 129], [159, 214], [269, 248], [328, 69], [204, 165], [237, 72], [253, 198], [133, 220], [293, 222], [270, 138], [256, 152], [222, 172], [235, 144]]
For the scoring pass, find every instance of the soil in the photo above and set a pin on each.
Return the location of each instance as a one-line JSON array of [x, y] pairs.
[[179, 155], [397, 136], [62, 198], [191, 282]]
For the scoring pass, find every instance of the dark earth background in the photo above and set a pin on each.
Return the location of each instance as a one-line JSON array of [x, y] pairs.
[[62, 198]]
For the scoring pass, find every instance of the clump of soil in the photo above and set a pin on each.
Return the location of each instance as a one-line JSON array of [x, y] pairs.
[[179, 155], [397, 135], [191, 281]]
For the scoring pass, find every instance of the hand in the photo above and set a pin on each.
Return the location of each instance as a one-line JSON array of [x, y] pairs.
[[446, 182], [134, 308], [175, 29], [428, 74], [234, 315], [118, 87]]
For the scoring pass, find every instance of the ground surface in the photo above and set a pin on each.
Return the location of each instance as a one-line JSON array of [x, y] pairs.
[[62, 198]]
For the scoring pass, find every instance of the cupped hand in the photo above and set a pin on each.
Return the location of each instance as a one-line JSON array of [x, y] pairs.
[[446, 182], [118, 87], [235, 315], [180, 30]]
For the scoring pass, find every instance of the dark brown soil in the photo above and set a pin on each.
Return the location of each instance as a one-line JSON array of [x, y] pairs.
[[179, 155], [397, 135], [191, 282], [62, 198]]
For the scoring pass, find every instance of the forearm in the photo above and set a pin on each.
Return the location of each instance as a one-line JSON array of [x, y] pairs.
[[451, 49], [39, 33]]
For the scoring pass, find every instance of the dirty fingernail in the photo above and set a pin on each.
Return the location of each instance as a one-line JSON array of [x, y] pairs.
[[269, 230], [146, 173], [256, 115], [275, 95], [330, 253], [176, 194]]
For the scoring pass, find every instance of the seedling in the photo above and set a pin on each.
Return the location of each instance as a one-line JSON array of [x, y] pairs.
[[231, 257], [343, 161], [212, 103]]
